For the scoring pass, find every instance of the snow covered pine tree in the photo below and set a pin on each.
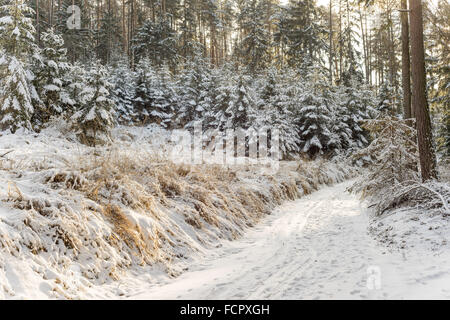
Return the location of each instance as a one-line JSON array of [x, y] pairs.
[[49, 80], [16, 90], [96, 117]]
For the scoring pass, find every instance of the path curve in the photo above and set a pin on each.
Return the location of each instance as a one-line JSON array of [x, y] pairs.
[[314, 248]]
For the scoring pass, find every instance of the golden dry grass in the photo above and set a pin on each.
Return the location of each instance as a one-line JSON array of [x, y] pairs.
[[154, 209]]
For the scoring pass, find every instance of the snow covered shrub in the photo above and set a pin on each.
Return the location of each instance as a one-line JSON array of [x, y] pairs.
[[50, 72], [16, 90], [96, 117], [155, 95], [430, 196], [395, 159]]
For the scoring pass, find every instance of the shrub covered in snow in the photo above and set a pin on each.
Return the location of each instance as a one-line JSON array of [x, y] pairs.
[[395, 159]]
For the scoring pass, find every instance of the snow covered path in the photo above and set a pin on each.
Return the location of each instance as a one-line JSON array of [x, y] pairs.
[[314, 248]]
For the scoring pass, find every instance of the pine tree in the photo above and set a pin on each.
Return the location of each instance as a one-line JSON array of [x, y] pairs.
[[108, 35], [157, 41], [420, 99], [123, 81], [254, 47], [358, 103], [188, 27], [96, 118], [385, 99], [240, 110], [155, 94], [276, 110], [193, 87], [50, 72], [16, 90], [395, 158], [301, 32], [313, 116], [79, 42]]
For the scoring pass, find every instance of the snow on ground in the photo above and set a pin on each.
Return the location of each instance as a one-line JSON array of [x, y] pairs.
[[75, 219], [317, 247], [113, 222]]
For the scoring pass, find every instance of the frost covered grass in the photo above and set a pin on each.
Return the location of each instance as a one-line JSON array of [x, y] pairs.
[[73, 217]]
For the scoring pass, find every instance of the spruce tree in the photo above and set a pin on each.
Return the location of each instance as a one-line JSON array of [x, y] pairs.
[[50, 75], [221, 96], [97, 115], [157, 41], [314, 115], [358, 104], [193, 91], [16, 90], [155, 94], [254, 47], [276, 111], [395, 157], [76, 81], [385, 99], [302, 32], [124, 81], [240, 110]]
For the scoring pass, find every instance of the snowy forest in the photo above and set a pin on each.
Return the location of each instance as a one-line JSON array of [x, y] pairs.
[[91, 92]]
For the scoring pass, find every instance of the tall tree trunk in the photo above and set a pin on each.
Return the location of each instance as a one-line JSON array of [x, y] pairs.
[[406, 63], [38, 24], [331, 42], [51, 14], [420, 102], [364, 42], [124, 28]]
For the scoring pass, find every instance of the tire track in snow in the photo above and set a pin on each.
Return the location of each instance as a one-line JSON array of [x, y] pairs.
[[314, 248]]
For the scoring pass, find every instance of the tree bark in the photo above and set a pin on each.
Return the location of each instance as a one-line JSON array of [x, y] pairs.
[[38, 24], [406, 63], [331, 42], [420, 101]]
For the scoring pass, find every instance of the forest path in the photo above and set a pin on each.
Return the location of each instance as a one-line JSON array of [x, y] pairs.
[[313, 248]]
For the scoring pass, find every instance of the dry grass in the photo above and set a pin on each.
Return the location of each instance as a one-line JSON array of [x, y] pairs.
[[124, 207]]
